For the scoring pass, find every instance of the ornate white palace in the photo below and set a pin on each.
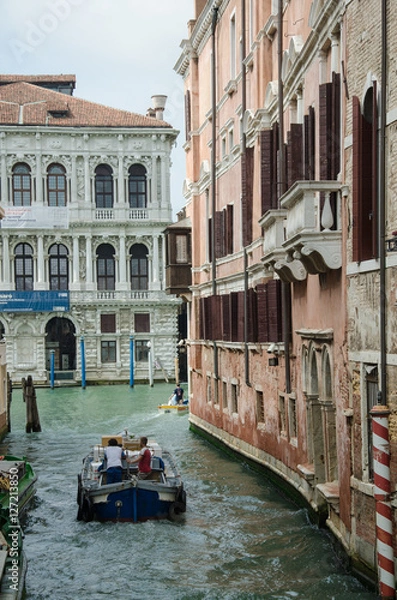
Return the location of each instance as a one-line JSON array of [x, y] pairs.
[[85, 191]]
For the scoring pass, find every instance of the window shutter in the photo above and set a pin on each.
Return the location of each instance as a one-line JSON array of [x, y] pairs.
[[240, 316], [219, 235], [356, 195], [335, 133], [294, 153], [247, 172], [374, 169], [274, 311], [108, 323], [226, 319], [142, 322], [325, 110], [309, 145], [229, 229], [234, 316], [252, 316]]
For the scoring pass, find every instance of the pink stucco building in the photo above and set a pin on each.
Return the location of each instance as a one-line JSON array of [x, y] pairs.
[[288, 337]]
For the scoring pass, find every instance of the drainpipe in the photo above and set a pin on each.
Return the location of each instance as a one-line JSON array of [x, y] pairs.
[[285, 287], [213, 171], [243, 151], [213, 149], [381, 210], [380, 413]]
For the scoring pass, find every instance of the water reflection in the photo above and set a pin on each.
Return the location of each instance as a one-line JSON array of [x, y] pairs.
[[239, 539]]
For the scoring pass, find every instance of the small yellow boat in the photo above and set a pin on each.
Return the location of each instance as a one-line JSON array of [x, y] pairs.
[[177, 409]]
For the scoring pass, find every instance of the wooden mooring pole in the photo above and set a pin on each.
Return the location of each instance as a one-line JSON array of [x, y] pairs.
[[29, 397]]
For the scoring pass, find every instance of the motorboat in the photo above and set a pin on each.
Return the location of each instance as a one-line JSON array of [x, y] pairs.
[[160, 495]]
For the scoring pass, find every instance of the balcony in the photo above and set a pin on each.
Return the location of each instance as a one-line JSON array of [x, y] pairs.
[[118, 297], [304, 236]]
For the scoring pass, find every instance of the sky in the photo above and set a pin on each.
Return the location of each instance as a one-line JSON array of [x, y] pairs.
[[121, 51]]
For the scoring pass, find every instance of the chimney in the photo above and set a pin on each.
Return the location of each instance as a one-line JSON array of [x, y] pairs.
[[158, 103]]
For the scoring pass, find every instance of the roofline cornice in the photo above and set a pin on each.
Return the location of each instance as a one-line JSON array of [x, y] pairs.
[[200, 34]]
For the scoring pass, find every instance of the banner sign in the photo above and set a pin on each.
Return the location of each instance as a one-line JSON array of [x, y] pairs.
[[34, 301], [35, 217]]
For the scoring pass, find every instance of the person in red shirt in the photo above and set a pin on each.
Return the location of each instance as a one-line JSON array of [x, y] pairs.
[[143, 459]]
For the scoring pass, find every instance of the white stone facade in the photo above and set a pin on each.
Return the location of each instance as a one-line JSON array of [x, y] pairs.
[[103, 306]]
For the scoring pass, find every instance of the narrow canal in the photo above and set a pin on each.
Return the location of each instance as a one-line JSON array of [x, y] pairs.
[[239, 539]]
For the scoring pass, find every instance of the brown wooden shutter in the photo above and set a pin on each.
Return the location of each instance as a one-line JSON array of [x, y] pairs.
[[252, 316], [261, 296], [226, 320], [269, 312], [108, 323], [309, 145], [142, 322], [234, 316], [274, 311], [356, 192], [229, 229], [247, 175], [219, 235], [335, 132], [267, 175], [374, 171], [294, 153], [325, 116], [209, 233]]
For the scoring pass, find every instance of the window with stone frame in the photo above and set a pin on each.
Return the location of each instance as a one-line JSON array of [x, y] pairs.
[[56, 185], [104, 195], [23, 264], [106, 273], [58, 266], [139, 267], [141, 350], [21, 185], [108, 351], [137, 186]]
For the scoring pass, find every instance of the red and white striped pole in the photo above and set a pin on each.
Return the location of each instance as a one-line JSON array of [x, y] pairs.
[[382, 491]]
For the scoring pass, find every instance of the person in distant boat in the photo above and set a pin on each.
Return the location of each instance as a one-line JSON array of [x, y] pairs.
[[178, 394], [143, 459], [114, 455]]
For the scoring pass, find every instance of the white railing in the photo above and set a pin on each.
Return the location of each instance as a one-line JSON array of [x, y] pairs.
[[124, 296]]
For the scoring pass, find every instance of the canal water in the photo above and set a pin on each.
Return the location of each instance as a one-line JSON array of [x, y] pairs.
[[239, 539]]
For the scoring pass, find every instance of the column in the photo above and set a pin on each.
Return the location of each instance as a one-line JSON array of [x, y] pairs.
[[6, 283], [75, 283], [155, 263], [4, 195], [40, 284], [154, 197], [88, 257], [39, 175], [121, 195], [122, 284], [73, 183], [87, 182]]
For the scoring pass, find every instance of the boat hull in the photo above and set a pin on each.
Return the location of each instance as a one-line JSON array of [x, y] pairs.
[[160, 496], [177, 409]]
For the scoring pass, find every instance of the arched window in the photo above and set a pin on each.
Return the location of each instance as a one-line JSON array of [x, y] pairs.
[[137, 192], [105, 267], [21, 185], [139, 267], [59, 267], [56, 185], [23, 267], [103, 187]]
